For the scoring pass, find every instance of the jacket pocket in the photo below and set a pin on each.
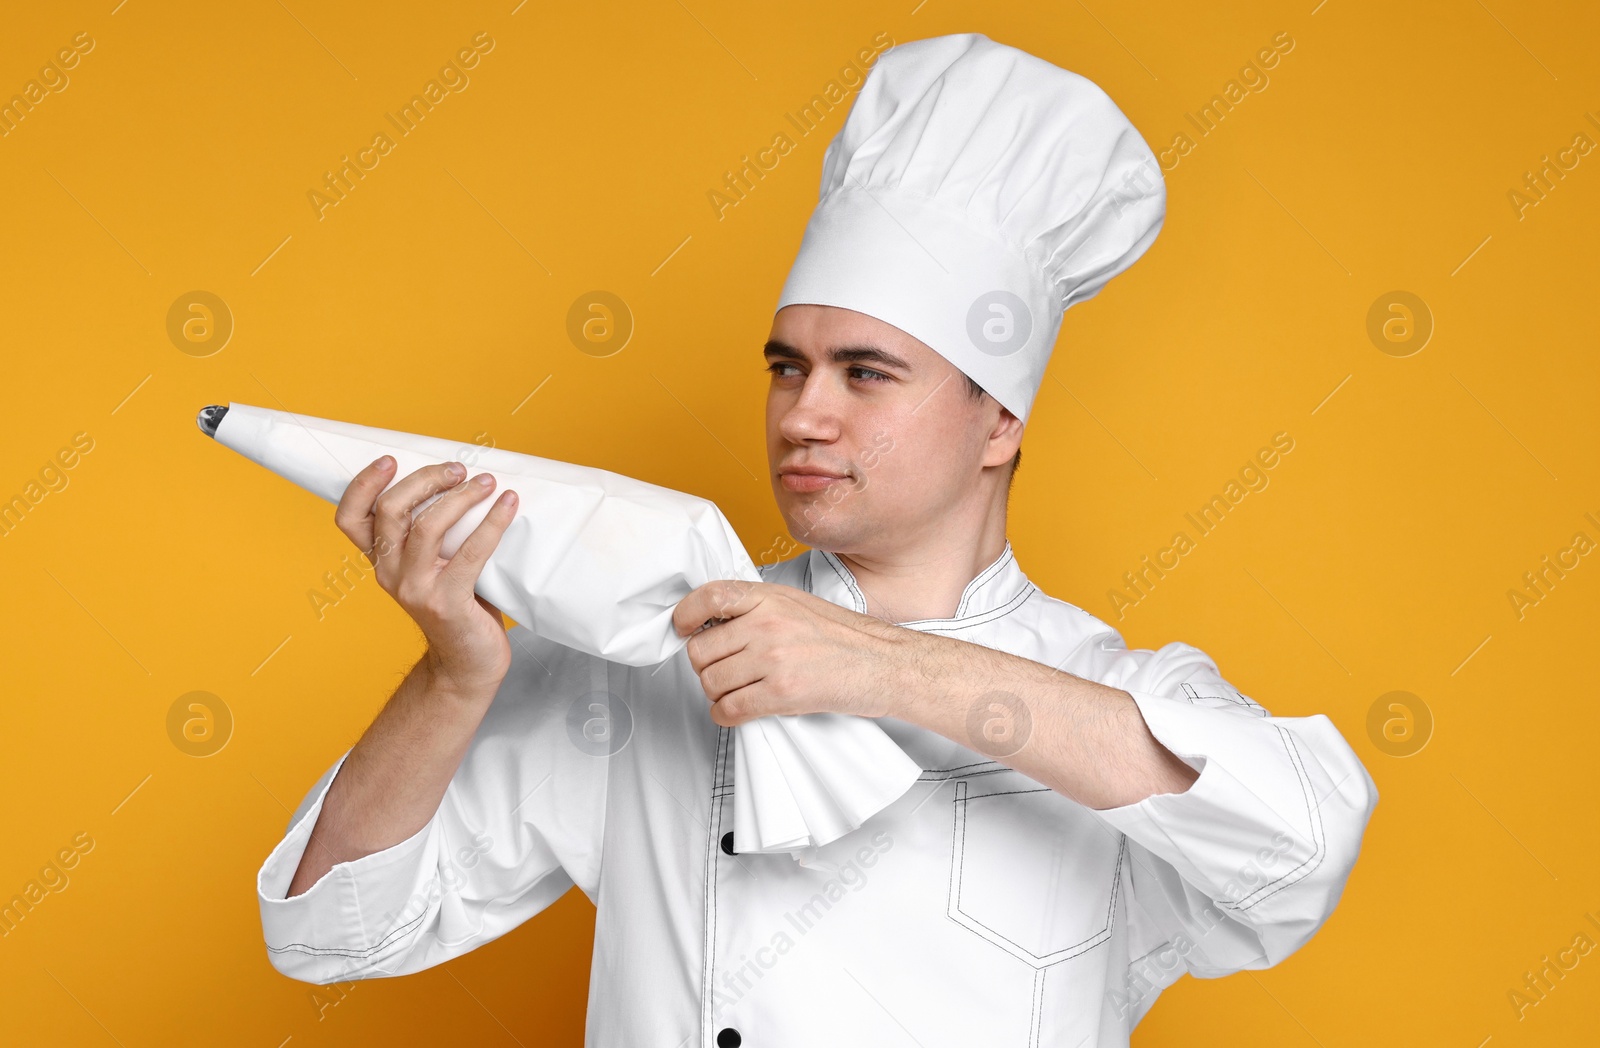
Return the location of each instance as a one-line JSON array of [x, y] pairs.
[[1032, 871]]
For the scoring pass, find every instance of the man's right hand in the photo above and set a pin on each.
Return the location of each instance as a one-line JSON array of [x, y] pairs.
[[467, 646], [395, 775]]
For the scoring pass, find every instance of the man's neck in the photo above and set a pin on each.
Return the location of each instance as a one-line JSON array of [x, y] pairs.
[[926, 582]]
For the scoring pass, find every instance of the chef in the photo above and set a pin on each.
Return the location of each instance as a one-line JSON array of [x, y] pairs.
[[1090, 822]]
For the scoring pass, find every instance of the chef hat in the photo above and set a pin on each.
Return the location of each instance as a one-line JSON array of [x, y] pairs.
[[975, 192]]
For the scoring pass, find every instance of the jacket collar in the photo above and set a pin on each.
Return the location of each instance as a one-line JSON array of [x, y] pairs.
[[993, 592]]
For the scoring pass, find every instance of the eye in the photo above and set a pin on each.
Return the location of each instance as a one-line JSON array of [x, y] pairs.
[[777, 369], [867, 374]]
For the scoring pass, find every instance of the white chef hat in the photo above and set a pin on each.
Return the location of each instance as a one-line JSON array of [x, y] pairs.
[[974, 193]]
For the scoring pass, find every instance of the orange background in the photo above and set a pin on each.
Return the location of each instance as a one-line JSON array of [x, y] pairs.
[[434, 298]]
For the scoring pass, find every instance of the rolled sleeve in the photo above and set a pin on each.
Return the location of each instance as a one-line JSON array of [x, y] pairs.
[[340, 927], [522, 816], [1247, 863]]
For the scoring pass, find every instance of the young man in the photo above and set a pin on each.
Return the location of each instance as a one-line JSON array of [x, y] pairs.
[[1090, 822]]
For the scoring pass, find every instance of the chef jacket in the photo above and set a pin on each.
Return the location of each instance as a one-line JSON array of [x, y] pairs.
[[980, 908]]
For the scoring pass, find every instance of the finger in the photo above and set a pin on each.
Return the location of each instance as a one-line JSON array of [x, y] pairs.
[[463, 569], [392, 512], [353, 515], [722, 599], [739, 707], [715, 644], [722, 678], [428, 527]]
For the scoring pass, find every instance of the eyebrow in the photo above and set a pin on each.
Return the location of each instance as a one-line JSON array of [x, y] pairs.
[[854, 354]]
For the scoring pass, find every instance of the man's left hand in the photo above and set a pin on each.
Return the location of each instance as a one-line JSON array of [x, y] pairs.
[[782, 650]]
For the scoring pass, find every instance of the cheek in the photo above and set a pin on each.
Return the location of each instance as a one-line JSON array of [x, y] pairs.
[[776, 406], [908, 457], [934, 461]]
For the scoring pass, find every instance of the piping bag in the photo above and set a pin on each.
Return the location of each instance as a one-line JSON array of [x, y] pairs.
[[597, 561]]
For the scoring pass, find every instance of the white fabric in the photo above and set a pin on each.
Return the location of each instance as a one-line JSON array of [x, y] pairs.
[[979, 909], [597, 562], [974, 193]]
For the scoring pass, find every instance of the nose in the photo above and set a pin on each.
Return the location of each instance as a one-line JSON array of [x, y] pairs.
[[813, 416]]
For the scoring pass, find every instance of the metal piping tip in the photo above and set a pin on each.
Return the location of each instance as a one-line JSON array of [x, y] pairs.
[[210, 418]]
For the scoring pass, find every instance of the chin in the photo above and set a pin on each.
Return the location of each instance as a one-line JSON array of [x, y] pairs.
[[829, 533]]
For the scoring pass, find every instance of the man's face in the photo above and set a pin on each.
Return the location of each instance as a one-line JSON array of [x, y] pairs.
[[873, 441]]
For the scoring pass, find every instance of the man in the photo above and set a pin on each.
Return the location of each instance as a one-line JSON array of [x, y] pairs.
[[1090, 822]]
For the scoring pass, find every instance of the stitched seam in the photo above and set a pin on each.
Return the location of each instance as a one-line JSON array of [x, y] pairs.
[[849, 582], [976, 585], [1001, 612], [951, 625], [1036, 1009], [1313, 817], [714, 820], [1002, 793], [960, 767], [973, 588], [957, 829], [1038, 961], [964, 775], [323, 951], [1237, 700]]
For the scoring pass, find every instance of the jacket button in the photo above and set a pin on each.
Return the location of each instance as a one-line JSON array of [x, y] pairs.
[[728, 1037], [727, 846]]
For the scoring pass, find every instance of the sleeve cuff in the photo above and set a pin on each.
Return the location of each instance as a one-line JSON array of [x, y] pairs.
[[1221, 834], [353, 912]]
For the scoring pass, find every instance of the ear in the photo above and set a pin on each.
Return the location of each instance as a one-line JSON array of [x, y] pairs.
[[1005, 437]]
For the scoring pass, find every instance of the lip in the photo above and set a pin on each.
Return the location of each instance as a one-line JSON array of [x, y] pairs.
[[808, 478]]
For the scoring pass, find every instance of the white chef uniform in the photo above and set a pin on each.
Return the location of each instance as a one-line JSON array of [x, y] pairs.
[[980, 908], [974, 193]]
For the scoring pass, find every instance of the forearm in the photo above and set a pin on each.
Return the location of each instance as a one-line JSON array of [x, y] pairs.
[[1082, 739], [396, 774]]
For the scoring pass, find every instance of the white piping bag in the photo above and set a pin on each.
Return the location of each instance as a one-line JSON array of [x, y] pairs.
[[597, 561]]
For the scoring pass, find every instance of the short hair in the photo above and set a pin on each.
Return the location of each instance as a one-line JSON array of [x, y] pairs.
[[974, 392]]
